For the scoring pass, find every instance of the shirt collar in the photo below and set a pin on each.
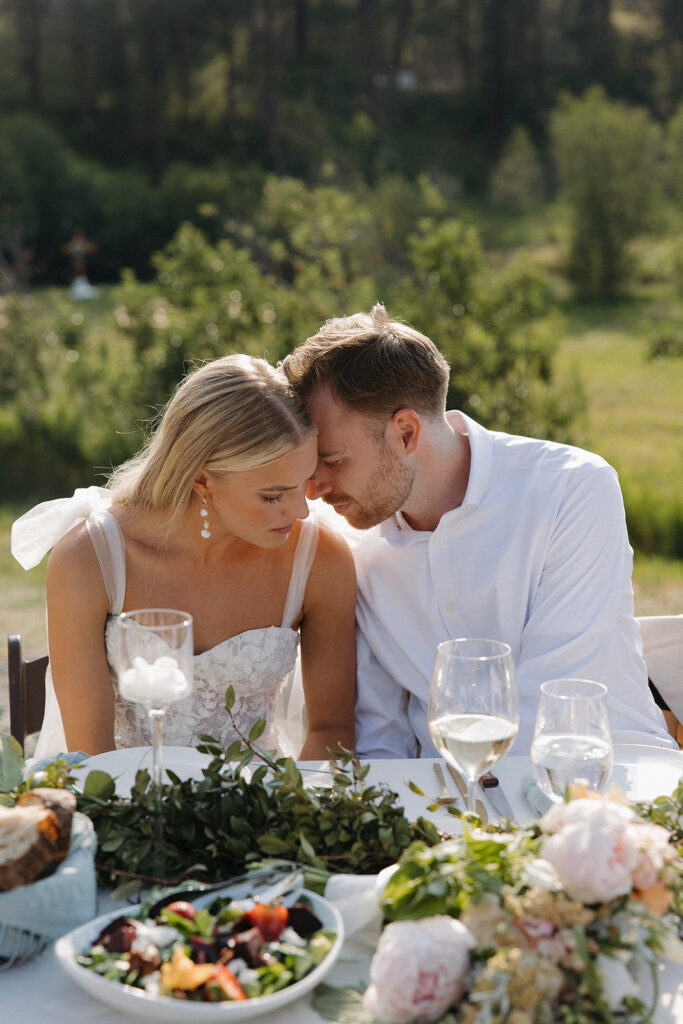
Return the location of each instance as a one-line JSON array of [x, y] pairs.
[[398, 532]]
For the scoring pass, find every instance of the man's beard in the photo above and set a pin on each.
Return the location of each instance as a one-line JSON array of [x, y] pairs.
[[385, 494]]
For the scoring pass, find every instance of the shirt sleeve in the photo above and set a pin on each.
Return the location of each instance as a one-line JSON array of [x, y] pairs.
[[383, 727], [580, 622]]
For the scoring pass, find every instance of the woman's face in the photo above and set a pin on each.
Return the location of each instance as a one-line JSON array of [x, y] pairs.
[[262, 505]]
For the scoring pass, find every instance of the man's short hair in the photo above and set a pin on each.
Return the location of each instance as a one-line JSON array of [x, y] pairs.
[[372, 364]]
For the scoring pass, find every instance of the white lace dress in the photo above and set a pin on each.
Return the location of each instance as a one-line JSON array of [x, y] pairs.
[[259, 663]]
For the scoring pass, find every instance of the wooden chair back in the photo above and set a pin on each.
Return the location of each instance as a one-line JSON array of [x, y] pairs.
[[26, 690]]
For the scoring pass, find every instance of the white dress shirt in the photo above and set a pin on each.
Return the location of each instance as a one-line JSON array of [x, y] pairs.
[[538, 556]]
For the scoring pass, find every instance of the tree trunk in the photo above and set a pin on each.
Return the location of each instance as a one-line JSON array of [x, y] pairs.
[[180, 32], [404, 17], [269, 82], [155, 70], [301, 20], [80, 69], [29, 16]]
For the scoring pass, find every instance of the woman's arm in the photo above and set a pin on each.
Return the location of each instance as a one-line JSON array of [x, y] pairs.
[[77, 607], [328, 650]]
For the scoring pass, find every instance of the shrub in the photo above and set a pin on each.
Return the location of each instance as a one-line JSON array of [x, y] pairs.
[[608, 161], [518, 178]]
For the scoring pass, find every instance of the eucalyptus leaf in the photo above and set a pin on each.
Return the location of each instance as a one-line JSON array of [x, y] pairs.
[[99, 784], [343, 1005], [257, 730], [11, 762]]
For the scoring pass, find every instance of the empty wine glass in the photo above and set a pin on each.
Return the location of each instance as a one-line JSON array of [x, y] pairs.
[[154, 661], [572, 742], [473, 706]]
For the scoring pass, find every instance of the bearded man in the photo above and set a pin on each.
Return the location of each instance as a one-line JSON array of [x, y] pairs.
[[459, 531]]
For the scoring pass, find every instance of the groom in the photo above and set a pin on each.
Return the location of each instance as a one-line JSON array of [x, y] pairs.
[[460, 531]]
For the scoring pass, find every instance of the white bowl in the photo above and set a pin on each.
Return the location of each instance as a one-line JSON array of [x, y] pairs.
[[167, 1010]]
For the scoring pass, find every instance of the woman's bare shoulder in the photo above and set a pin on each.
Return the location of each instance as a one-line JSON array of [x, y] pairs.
[[333, 575], [73, 559], [333, 549]]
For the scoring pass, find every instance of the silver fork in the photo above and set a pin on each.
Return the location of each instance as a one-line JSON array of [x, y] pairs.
[[445, 800]]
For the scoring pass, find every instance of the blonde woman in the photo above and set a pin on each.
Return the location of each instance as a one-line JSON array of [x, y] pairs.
[[211, 518]]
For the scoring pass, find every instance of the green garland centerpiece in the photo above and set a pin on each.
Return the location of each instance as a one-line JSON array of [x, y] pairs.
[[247, 806]]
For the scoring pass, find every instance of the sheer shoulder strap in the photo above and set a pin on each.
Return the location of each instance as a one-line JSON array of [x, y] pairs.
[[303, 560], [107, 540]]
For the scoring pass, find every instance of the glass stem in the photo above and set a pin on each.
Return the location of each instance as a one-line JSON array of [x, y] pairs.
[[156, 721], [471, 799]]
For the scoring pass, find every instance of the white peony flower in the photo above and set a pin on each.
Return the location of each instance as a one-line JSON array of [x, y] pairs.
[[591, 848], [418, 970], [540, 874]]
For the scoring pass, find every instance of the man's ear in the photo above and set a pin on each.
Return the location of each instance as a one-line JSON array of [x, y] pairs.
[[405, 428]]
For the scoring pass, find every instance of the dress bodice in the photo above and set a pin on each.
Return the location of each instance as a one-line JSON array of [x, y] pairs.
[[258, 663]]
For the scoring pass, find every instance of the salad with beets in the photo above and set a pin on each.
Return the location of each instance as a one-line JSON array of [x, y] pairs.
[[229, 950]]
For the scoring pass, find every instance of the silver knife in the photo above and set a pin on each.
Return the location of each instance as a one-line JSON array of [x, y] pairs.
[[491, 786]]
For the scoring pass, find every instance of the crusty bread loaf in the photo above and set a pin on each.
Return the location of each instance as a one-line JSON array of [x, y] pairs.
[[34, 834], [63, 804]]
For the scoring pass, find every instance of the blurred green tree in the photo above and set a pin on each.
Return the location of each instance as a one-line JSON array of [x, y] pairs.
[[608, 158]]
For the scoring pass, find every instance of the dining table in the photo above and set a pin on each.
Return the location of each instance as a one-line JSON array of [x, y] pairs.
[[39, 991]]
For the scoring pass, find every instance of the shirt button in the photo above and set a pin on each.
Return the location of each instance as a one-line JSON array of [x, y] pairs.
[[437, 542], [448, 607]]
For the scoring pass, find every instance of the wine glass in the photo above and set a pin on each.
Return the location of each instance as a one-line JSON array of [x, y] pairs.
[[154, 661], [473, 711], [572, 742]]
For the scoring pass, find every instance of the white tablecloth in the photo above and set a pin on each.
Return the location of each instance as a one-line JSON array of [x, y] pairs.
[[39, 992]]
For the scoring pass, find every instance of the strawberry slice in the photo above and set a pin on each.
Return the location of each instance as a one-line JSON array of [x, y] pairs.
[[270, 920], [223, 978]]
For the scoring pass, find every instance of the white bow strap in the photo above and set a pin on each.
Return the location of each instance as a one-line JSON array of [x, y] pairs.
[[37, 531]]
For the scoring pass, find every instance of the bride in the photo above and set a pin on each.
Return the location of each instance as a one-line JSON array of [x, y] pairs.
[[211, 518]]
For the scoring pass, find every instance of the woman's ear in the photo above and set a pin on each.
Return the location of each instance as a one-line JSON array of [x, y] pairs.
[[200, 485], [406, 427]]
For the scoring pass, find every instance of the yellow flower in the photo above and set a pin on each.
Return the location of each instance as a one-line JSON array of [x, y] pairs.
[[536, 982], [183, 973], [519, 1017], [559, 910]]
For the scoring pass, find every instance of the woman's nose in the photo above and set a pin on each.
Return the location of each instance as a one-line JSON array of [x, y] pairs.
[[299, 508]]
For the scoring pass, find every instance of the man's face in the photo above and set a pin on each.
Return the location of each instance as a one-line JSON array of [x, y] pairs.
[[358, 473]]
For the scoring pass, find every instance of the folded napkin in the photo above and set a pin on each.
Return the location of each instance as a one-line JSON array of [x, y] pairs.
[[54, 905], [357, 898], [535, 797], [36, 764]]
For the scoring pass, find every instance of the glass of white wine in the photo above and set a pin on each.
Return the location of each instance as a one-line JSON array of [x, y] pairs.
[[572, 742], [473, 706]]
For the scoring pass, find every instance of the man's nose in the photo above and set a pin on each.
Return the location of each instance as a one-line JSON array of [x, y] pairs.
[[319, 485]]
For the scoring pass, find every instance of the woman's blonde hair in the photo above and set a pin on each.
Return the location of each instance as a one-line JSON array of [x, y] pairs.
[[232, 414]]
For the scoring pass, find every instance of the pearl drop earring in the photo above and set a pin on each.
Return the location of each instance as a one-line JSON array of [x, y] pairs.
[[206, 532]]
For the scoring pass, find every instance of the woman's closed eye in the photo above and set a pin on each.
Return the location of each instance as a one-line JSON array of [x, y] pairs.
[[270, 499]]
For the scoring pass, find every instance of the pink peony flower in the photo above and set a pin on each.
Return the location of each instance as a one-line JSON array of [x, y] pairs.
[[653, 851], [418, 970], [591, 848]]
